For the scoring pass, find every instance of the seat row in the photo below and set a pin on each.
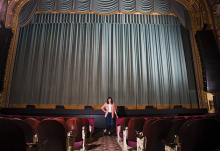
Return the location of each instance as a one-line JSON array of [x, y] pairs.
[[159, 134], [40, 118], [118, 120], [57, 134]]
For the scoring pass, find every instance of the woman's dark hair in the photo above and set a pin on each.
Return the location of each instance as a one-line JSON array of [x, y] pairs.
[[111, 100]]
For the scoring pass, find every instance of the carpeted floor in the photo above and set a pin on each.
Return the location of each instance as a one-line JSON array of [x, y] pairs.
[[105, 143], [100, 143]]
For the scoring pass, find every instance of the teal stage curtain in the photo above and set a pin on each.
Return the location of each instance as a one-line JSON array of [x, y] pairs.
[[84, 63]]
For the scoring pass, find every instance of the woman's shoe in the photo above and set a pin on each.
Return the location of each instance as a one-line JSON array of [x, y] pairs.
[[104, 131]]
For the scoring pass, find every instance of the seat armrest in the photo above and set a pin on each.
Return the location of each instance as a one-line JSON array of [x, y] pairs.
[[39, 143], [70, 140], [118, 132], [42, 142], [176, 139], [36, 146], [125, 134], [167, 143], [139, 134], [90, 128], [141, 143]]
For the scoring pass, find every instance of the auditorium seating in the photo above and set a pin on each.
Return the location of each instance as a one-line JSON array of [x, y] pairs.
[[85, 122], [147, 124], [27, 129], [177, 124], [33, 123], [12, 137], [54, 132], [118, 120], [30, 127], [155, 131], [124, 123], [199, 134], [75, 124], [135, 124], [63, 122], [182, 128], [41, 118]]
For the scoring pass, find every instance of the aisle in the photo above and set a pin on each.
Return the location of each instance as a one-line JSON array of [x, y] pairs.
[[104, 143]]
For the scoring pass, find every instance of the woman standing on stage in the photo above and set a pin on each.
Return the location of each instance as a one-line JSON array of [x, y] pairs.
[[109, 113]]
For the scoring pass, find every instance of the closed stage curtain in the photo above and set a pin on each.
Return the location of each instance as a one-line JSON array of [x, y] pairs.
[[84, 63]]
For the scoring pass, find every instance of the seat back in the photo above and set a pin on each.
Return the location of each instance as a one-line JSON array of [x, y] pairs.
[[11, 136], [135, 124], [158, 130], [177, 125], [182, 128], [85, 122], [75, 124], [63, 122], [147, 124], [33, 123], [28, 132], [54, 132], [41, 118], [124, 123], [202, 135]]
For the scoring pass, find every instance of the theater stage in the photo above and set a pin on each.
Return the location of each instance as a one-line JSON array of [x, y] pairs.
[[98, 115]]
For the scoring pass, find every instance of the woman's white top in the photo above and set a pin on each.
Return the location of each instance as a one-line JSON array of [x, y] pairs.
[[109, 108]]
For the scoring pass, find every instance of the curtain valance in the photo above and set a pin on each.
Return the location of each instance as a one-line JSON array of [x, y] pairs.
[[104, 7]]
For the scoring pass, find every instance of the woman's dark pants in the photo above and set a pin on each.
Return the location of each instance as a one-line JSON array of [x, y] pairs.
[[109, 121]]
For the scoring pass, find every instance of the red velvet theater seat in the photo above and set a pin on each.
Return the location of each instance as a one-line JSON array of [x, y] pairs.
[[75, 124], [41, 118], [124, 123], [12, 137], [54, 132], [157, 130], [63, 122], [147, 124], [177, 125], [26, 128], [135, 124], [85, 122], [33, 123], [200, 135]]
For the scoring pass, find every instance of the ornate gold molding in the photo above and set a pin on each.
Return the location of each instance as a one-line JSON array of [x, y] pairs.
[[192, 7], [216, 19], [9, 68], [14, 20], [3, 8], [1, 100], [12, 50]]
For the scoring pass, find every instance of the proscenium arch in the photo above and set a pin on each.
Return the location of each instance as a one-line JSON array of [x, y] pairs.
[[12, 16]]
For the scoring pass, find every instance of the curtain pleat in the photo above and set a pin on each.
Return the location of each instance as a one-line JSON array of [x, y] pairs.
[[116, 18], [84, 63]]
